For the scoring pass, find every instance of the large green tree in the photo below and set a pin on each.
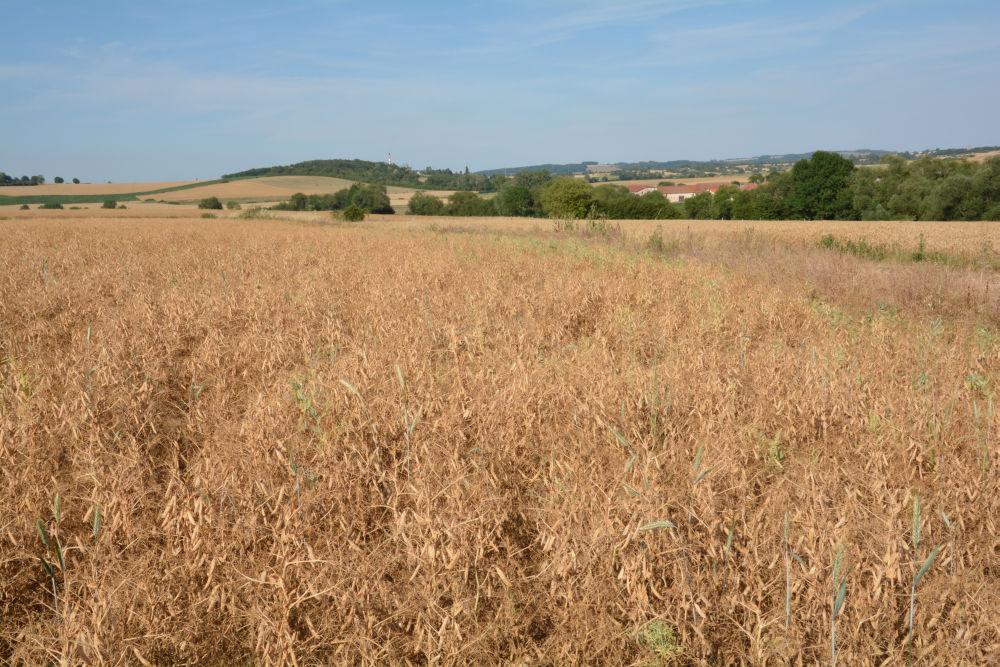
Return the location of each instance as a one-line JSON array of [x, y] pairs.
[[821, 188], [425, 204], [469, 204], [515, 200], [567, 198]]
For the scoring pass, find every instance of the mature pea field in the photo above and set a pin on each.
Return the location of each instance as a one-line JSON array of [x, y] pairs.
[[492, 440]]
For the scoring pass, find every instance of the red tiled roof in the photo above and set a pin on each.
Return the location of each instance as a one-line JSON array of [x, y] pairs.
[[689, 189]]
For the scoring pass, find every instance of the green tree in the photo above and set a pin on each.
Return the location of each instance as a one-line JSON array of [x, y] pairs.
[[425, 204], [58, 179], [724, 203], [469, 204], [515, 200], [354, 213], [532, 179], [76, 181], [699, 207], [372, 198], [566, 198], [820, 188], [617, 203], [211, 203]]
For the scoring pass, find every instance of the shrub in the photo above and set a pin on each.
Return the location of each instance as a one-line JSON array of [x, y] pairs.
[[211, 203], [354, 213], [59, 179], [254, 213], [470, 204], [514, 200], [567, 198], [51, 205], [425, 204], [111, 203], [208, 216], [122, 206], [25, 207], [371, 198], [233, 205], [76, 181]]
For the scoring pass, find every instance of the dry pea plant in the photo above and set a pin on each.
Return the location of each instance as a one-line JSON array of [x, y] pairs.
[[264, 441]]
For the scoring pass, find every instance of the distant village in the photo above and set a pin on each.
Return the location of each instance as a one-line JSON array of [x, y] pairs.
[[673, 193], [678, 193]]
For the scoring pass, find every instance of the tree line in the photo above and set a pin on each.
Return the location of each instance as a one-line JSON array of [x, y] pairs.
[[23, 180], [6, 179], [825, 186], [369, 197], [380, 173]]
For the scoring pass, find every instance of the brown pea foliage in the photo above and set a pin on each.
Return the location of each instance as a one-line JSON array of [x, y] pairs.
[[382, 444]]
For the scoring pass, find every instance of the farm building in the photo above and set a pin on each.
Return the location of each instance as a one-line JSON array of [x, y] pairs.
[[641, 189], [676, 193]]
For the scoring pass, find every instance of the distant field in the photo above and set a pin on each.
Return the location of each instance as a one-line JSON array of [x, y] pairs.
[[277, 188], [88, 188], [742, 178], [982, 157], [268, 188], [492, 441], [65, 194]]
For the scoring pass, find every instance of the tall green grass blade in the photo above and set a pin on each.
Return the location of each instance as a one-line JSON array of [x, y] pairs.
[[42, 532], [838, 602], [622, 440], [47, 567], [928, 563], [838, 563], [59, 555]]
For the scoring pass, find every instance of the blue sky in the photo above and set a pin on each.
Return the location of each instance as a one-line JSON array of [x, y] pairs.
[[115, 90]]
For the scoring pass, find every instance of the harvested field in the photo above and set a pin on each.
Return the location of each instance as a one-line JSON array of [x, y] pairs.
[[268, 188], [983, 157], [485, 441], [88, 188], [742, 178], [277, 188]]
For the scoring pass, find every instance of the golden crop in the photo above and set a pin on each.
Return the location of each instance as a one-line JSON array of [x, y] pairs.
[[234, 441]]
